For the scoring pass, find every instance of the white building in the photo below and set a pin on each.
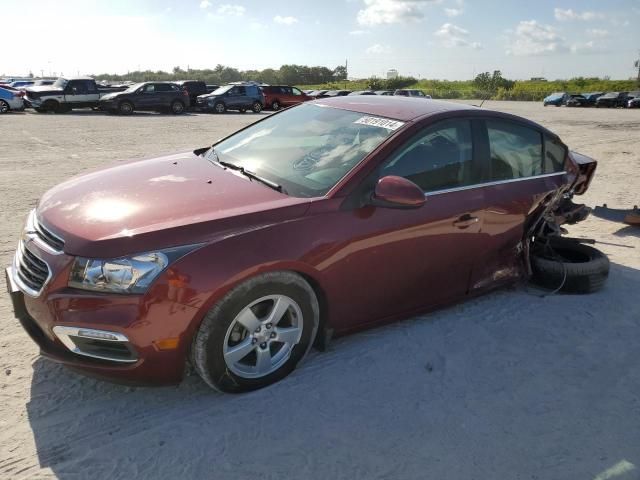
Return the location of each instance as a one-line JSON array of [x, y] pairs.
[[392, 73]]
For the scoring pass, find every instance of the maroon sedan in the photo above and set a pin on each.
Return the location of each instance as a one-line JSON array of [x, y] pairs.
[[329, 217]]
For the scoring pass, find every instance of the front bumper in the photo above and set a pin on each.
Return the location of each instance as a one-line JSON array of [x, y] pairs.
[[141, 322]]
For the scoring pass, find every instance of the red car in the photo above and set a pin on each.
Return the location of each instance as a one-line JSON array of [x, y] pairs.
[[329, 217], [283, 96]]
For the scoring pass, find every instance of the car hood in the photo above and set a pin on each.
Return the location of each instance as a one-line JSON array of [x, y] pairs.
[[207, 96], [168, 201], [44, 88], [109, 96]]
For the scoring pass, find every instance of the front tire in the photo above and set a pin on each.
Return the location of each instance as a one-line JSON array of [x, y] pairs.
[[219, 107], [125, 108], [4, 107], [569, 266], [257, 334]]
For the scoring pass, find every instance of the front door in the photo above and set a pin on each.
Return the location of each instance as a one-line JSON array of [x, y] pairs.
[[399, 260]]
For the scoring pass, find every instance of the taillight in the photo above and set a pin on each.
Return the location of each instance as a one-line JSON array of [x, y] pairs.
[[185, 93]]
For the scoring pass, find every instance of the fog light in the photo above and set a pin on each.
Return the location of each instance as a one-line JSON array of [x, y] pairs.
[[97, 334]]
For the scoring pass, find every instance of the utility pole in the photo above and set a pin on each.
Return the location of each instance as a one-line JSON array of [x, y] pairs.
[[346, 72], [637, 65]]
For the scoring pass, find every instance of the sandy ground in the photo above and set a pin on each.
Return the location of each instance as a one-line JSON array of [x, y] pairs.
[[507, 386]]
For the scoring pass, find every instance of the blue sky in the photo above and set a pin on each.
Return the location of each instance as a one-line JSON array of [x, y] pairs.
[[452, 39]]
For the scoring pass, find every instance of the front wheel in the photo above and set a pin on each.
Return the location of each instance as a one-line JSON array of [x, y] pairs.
[[125, 108], [220, 107], [256, 107], [4, 106], [257, 333]]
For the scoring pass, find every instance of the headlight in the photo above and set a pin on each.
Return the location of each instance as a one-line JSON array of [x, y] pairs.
[[123, 275]]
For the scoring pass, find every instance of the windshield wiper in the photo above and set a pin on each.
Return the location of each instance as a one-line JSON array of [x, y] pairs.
[[249, 174]]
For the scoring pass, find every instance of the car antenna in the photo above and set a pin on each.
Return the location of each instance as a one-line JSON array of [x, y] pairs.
[[482, 102]]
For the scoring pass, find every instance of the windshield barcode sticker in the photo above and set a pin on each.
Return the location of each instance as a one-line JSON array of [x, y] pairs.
[[380, 122]]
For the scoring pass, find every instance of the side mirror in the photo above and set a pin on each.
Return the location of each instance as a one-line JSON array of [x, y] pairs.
[[397, 192]]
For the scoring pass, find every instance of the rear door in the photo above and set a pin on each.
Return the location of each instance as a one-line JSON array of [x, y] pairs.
[[525, 167], [165, 94]]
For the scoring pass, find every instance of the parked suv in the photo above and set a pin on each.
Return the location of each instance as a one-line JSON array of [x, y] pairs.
[[158, 96], [233, 97], [613, 100], [194, 88], [278, 96]]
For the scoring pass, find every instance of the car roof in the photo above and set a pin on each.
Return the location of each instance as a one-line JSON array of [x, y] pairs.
[[398, 108]]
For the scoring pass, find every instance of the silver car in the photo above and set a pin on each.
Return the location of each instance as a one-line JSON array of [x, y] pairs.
[[10, 100]]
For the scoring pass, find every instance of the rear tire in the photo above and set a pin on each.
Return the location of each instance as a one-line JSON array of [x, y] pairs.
[[51, 106], [256, 107], [275, 105], [582, 268], [4, 107], [177, 107], [272, 317]]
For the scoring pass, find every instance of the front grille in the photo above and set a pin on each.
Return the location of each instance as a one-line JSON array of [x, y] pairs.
[[48, 237], [31, 271]]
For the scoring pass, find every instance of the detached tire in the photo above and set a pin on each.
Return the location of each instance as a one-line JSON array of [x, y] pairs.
[[257, 333], [586, 268]]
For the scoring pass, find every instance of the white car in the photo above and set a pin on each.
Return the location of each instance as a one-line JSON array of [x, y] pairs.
[[411, 93], [10, 100]]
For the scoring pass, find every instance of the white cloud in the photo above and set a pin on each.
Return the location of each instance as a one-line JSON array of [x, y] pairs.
[[588, 47], [285, 20], [598, 32], [569, 14], [378, 12], [231, 10], [205, 4], [533, 38], [378, 49], [454, 36], [453, 12], [358, 32]]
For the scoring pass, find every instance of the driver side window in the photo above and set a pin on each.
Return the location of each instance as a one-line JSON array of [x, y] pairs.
[[438, 158]]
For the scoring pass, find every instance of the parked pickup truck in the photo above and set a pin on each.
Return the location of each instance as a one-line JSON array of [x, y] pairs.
[[66, 94]]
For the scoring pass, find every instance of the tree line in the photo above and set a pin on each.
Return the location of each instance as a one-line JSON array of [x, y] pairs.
[[486, 85], [220, 75]]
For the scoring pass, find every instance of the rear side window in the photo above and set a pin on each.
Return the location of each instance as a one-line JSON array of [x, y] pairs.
[[438, 158], [516, 150], [555, 153]]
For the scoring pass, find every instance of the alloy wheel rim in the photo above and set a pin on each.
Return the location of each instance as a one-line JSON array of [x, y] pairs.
[[125, 107], [4, 108], [220, 108], [261, 337], [177, 107]]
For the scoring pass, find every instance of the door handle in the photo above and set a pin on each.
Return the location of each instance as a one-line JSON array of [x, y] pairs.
[[465, 221]]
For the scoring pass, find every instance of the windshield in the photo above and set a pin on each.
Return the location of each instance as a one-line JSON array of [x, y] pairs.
[[221, 90], [61, 83], [306, 149], [133, 88]]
